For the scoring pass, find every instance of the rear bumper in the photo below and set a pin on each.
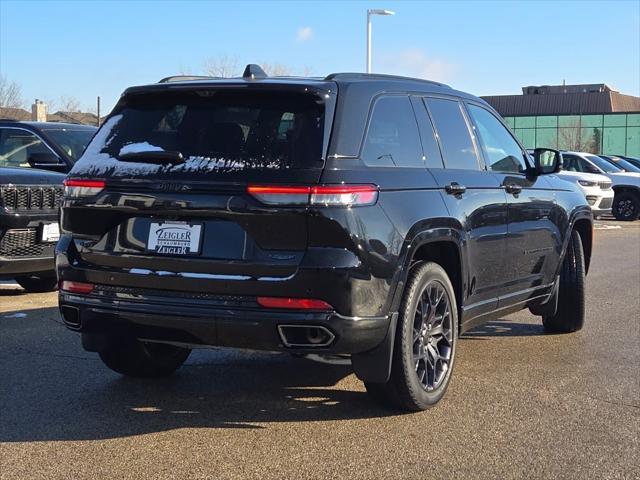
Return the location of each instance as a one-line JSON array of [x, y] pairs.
[[212, 321]]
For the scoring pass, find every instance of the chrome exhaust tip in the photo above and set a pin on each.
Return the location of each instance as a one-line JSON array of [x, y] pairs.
[[305, 336]]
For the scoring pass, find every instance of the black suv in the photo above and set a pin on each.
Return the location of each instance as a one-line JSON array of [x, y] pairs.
[[30, 196], [368, 215]]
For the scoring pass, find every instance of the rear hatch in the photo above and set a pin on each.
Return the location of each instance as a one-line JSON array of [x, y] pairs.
[[163, 186]]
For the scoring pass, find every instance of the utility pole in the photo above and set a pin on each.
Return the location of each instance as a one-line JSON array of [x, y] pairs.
[[369, 14], [98, 109]]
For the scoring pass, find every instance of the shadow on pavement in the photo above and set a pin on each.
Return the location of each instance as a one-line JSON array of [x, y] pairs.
[[70, 395], [505, 328]]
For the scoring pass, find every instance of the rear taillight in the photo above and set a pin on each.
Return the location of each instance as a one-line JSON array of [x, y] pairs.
[[293, 303], [318, 195], [76, 287], [82, 188]]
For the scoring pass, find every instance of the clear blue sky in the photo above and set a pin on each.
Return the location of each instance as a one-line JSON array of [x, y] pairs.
[[91, 48]]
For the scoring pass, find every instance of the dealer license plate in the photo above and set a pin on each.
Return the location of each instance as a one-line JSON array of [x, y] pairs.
[[174, 238], [50, 232]]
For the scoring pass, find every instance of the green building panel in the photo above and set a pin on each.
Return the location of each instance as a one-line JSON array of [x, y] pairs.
[[615, 120], [633, 142], [525, 122], [607, 134], [550, 121], [527, 136], [591, 121], [633, 120], [547, 138], [570, 121], [614, 141], [510, 121]]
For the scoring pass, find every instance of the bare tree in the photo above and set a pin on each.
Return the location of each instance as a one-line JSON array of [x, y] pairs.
[[572, 137], [184, 70], [226, 67], [223, 66], [69, 104], [276, 69], [10, 94], [50, 103]]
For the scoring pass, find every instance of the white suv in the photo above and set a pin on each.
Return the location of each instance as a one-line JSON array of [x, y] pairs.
[[596, 188], [626, 185]]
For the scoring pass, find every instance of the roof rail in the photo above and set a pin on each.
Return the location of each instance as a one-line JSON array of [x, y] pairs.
[[382, 76], [184, 78]]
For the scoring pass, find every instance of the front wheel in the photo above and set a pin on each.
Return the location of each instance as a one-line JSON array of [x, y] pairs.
[[134, 358], [626, 206], [425, 344], [569, 315], [38, 283]]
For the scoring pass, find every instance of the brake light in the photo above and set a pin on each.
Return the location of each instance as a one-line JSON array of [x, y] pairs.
[[76, 287], [318, 195], [82, 188], [294, 303], [280, 195]]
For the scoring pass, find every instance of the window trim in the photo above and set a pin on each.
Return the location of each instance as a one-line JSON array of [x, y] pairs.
[[44, 142], [523, 151], [418, 102], [363, 140], [480, 161]]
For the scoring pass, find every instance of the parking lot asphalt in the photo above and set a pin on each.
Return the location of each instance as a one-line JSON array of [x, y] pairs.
[[521, 404]]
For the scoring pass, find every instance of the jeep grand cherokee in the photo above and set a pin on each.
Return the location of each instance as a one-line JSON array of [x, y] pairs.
[[368, 215]]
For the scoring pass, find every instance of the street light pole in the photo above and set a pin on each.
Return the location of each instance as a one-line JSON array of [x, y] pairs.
[[369, 14]]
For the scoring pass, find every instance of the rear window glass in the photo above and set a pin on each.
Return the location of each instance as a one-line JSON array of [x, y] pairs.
[[392, 138], [234, 129]]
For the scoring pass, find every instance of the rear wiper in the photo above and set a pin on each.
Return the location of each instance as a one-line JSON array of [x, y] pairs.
[[153, 156]]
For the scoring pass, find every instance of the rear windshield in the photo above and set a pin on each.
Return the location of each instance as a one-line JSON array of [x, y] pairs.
[[231, 128]]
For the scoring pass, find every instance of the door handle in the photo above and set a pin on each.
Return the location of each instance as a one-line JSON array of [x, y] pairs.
[[513, 189], [454, 188]]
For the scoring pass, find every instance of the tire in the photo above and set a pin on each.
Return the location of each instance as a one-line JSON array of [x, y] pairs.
[[418, 379], [134, 358], [569, 316], [626, 206], [38, 283]]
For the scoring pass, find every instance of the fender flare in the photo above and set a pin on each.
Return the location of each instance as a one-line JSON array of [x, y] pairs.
[[581, 213], [375, 365], [421, 237]]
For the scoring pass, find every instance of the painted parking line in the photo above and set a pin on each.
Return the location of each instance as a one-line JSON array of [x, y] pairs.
[[601, 226]]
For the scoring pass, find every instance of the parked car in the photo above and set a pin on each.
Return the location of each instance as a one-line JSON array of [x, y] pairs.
[[621, 163], [30, 196], [45, 145], [314, 216], [626, 185], [634, 161], [595, 187], [29, 203]]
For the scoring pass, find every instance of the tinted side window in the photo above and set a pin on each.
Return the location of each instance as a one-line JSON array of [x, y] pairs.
[[392, 137], [17, 146], [457, 147], [573, 163], [501, 151]]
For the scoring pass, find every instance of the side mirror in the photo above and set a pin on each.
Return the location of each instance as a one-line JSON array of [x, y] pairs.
[[547, 161], [45, 160]]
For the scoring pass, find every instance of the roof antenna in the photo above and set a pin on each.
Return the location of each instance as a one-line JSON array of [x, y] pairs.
[[253, 72]]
